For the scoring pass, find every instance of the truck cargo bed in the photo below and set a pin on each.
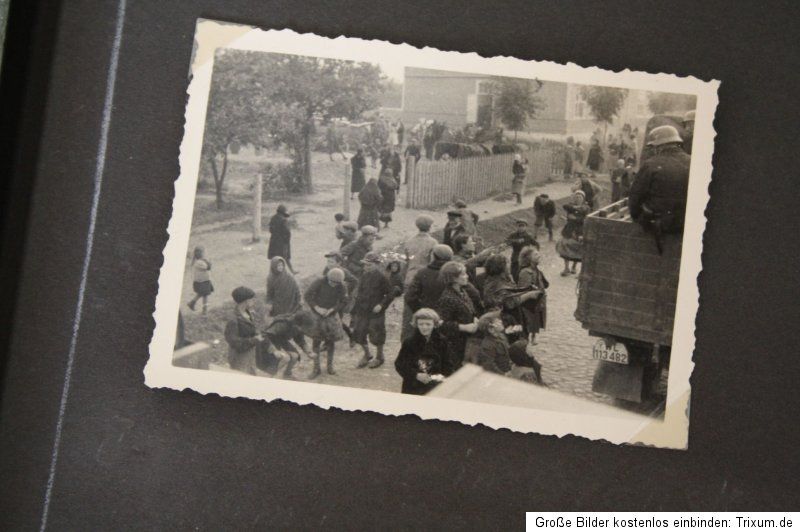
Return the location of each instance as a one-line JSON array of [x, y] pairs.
[[626, 288]]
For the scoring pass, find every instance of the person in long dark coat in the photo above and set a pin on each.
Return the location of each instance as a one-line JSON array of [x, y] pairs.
[[459, 307], [396, 165], [283, 292], [388, 186], [424, 287], [280, 236], [595, 158], [502, 294], [358, 177], [370, 198], [424, 358]]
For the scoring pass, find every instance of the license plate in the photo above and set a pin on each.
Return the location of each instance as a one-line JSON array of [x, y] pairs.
[[617, 353]]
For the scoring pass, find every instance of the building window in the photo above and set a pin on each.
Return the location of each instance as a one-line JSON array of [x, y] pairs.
[[484, 87]]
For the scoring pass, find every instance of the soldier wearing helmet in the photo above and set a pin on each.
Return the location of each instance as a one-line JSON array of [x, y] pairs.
[[658, 195], [688, 127]]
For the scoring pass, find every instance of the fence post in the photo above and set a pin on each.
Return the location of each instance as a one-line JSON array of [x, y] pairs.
[[346, 193], [411, 167], [257, 192]]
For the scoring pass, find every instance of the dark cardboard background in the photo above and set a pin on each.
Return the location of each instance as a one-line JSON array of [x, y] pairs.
[[135, 458]]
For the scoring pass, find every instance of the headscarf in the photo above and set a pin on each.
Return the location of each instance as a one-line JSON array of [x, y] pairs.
[[282, 290]]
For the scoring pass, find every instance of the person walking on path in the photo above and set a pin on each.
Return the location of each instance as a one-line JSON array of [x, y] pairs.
[[401, 132], [355, 251], [417, 249], [387, 184], [375, 294], [201, 280], [424, 359], [459, 307], [370, 199], [570, 246], [280, 241], [518, 183], [396, 165], [544, 209], [426, 286], [520, 238], [358, 178], [326, 297]]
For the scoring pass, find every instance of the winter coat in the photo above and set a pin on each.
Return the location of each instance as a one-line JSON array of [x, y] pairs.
[[544, 207], [518, 183], [396, 165], [534, 312], [469, 220], [358, 176], [457, 307], [575, 216], [240, 335], [420, 355], [595, 158], [321, 294], [354, 253], [283, 293], [388, 186], [661, 187], [370, 198], [451, 231], [374, 288], [418, 252], [280, 239], [493, 354], [425, 287], [518, 240]]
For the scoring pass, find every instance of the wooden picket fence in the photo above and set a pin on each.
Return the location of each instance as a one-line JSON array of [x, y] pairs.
[[436, 183]]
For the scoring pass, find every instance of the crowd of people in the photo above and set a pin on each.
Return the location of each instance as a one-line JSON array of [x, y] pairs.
[[460, 305]]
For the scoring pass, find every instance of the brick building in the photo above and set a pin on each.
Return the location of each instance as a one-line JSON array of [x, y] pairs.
[[460, 98]]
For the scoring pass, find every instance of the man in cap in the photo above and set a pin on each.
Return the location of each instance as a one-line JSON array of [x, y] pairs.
[[241, 333], [520, 238], [658, 194], [354, 252], [617, 175], [468, 218], [375, 294], [248, 350], [326, 297], [333, 260], [417, 249], [425, 287], [453, 227], [348, 232]]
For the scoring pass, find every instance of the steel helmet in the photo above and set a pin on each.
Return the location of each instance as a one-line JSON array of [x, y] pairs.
[[689, 117], [663, 135]]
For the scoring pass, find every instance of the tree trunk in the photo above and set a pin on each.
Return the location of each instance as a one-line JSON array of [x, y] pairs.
[[307, 177], [219, 175]]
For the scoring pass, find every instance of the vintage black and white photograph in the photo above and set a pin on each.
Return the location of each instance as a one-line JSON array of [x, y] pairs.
[[372, 226]]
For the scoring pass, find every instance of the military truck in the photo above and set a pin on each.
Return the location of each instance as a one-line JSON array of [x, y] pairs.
[[626, 295]]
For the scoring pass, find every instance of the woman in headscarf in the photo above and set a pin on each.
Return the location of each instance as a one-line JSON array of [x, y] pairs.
[[357, 175], [281, 236], [459, 307], [387, 185], [570, 246], [370, 198], [283, 293]]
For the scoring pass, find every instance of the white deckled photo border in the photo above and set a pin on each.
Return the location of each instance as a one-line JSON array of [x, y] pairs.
[[671, 432]]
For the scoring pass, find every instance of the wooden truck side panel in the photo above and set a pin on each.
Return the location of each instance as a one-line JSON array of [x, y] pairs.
[[626, 288]]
